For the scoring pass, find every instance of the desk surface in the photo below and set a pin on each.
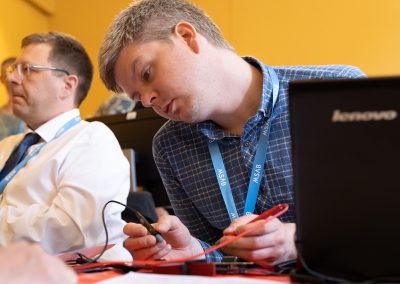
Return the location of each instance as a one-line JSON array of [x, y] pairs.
[[86, 278]]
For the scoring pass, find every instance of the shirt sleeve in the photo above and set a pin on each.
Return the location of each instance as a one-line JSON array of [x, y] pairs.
[[61, 199], [215, 256], [349, 71]]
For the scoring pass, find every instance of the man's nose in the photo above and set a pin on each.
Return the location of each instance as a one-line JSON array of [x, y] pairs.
[[148, 98], [13, 77]]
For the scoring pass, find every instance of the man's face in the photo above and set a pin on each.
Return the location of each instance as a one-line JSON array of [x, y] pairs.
[[167, 76], [35, 95]]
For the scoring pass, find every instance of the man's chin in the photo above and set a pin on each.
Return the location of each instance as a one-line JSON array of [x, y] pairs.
[[177, 117], [17, 111]]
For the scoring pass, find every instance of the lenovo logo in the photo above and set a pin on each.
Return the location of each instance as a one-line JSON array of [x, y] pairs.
[[339, 116]]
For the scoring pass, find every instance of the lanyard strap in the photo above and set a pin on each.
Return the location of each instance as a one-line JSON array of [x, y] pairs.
[[222, 177], [23, 162], [258, 164]]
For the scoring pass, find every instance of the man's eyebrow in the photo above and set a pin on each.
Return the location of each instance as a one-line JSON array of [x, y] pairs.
[[135, 64], [135, 94]]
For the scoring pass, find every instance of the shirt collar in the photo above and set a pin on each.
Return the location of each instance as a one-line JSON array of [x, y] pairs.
[[49, 129], [266, 98]]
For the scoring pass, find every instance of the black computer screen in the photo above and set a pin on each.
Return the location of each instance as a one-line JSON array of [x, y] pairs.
[[136, 130]]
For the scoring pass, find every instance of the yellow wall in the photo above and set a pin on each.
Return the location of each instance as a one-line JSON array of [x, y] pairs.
[[87, 20], [18, 18], [365, 33]]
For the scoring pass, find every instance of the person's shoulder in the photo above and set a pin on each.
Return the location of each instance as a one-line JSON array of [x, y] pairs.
[[167, 128], [94, 138], [98, 129], [319, 72], [173, 129]]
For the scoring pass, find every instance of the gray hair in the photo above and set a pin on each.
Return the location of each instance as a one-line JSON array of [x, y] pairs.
[[147, 20]]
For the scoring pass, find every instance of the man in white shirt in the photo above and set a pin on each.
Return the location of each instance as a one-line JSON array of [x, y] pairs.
[[56, 193]]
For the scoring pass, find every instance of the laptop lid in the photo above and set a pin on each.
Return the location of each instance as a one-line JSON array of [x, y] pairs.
[[346, 153]]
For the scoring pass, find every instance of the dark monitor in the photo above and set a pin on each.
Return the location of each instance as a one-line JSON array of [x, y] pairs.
[[136, 130], [345, 142]]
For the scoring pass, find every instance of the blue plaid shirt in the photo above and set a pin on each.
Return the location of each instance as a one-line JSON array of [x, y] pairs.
[[183, 159]]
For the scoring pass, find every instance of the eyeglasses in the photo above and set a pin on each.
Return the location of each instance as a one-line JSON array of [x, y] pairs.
[[25, 69]]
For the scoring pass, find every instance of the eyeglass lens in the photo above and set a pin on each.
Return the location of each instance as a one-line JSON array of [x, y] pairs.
[[22, 69]]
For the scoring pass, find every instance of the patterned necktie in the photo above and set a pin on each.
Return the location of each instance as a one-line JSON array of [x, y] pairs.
[[19, 152]]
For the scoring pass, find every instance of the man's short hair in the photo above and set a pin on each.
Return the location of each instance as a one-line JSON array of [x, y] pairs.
[[68, 54], [147, 20]]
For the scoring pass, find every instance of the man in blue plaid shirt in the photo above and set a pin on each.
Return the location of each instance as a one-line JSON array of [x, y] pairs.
[[228, 131]]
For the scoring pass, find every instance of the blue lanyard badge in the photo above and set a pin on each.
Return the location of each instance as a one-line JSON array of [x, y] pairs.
[[258, 165], [222, 177], [21, 164]]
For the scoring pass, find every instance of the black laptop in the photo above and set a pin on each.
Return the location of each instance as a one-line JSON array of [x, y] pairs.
[[346, 162]]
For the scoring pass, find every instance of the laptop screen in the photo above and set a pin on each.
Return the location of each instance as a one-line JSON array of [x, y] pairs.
[[346, 155]]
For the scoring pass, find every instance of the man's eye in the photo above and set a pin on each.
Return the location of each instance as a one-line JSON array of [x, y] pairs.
[[25, 69], [146, 75]]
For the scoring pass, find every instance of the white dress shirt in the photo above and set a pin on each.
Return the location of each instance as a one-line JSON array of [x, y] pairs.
[[58, 197]]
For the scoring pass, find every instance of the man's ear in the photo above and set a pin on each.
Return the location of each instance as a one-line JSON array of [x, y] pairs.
[[188, 33], [70, 85]]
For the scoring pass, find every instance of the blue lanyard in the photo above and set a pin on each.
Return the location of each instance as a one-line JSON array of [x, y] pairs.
[[258, 165], [23, 162]]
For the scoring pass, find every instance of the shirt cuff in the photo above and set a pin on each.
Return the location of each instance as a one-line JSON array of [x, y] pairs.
[[215, 256]]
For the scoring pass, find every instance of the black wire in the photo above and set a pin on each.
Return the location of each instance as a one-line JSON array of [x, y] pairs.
[[320, 275], [92, 260]]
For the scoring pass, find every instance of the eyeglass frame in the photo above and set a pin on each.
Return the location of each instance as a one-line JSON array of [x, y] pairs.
[[18, 67]]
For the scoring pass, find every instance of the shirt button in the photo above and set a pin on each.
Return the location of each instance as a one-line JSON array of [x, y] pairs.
[[246, 144]]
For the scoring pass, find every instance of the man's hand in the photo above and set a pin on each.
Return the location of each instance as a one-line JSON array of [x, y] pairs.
[[24, 262], [178, 241], [267, 245]]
